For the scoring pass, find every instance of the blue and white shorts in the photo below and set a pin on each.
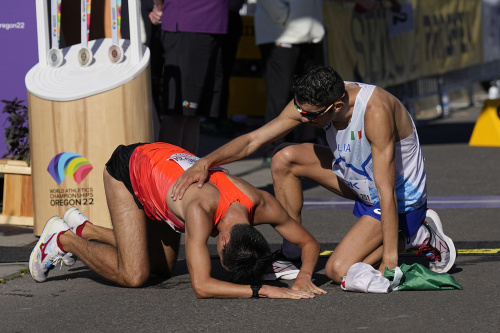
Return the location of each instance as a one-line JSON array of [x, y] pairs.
[[408, 222]]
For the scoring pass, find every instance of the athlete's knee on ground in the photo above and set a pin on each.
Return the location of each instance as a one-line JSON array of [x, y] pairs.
[[336, 269], [135, 278]]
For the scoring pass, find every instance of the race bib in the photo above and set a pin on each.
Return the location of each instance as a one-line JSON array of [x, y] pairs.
[[186, 161], [361, 188]]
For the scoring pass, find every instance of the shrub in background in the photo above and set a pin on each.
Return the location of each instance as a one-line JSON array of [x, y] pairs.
[[17, 134]]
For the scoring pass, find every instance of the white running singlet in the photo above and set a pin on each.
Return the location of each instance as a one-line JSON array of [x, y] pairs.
[[353, 159]]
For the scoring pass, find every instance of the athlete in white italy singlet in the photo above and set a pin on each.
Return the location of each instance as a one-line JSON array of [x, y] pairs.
[[353, 159]]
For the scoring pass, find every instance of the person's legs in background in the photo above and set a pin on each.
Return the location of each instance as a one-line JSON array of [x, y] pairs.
[[279, 66], [190, 85], [281, 63], [182, 131]]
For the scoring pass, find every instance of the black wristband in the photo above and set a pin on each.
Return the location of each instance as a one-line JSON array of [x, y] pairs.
[[255, 290]]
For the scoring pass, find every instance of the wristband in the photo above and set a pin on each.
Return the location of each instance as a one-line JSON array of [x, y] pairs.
[[255, 290]]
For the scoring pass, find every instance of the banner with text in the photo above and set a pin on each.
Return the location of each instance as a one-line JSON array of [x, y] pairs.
[[387, 47]]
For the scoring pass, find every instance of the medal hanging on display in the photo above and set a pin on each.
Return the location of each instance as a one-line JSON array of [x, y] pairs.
[[55, 55], [85, 54], [115, 51]]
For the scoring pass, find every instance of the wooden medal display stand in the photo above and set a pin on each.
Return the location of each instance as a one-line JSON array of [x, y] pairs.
[[78, 116]]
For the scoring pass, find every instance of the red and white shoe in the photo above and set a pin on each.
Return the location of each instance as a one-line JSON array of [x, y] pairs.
[[439, 248], [74, 218], [46, 254]]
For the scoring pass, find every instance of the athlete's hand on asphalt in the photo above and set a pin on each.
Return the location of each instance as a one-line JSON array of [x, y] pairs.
[[195, 174], [305, 284], [276, 292]]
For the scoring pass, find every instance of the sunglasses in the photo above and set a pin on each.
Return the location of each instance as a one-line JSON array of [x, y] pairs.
[[312, 115]]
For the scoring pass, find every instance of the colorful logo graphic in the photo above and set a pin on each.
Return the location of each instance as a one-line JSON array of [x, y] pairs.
[[69, 164], [191, 105]]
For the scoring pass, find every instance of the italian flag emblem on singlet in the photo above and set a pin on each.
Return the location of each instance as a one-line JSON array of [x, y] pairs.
[[356, 135]]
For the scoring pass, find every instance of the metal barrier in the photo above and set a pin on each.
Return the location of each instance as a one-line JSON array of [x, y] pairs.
[[442, 84]]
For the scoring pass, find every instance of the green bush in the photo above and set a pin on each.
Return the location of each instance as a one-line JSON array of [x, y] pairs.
[[17, 134]]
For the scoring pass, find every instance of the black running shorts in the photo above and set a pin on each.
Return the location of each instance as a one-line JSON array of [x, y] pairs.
[[117, 167]]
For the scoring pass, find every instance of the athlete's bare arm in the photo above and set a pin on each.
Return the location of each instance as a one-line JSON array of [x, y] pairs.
[[380, 129], [268, 210], [198, 228], [237, 149]]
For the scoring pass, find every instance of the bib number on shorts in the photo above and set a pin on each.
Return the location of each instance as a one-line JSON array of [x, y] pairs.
[[361, 188]]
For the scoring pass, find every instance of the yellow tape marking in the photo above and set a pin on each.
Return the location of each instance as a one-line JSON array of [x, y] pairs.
[[460, 251], [478, 251]]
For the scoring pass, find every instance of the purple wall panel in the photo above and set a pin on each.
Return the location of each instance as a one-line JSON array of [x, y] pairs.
[[18, 52]]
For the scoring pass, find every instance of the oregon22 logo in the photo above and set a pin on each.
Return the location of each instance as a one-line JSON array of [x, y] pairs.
[[69, 164]]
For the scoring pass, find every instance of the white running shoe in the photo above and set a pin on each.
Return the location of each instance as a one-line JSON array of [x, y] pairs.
[[46, 254], [69, 259], [281, 269], [439, 249], [74, 218]]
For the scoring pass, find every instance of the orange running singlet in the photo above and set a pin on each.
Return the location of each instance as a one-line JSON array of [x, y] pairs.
[[155, 167]]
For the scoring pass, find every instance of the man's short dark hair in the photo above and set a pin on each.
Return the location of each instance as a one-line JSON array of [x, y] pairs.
[[247, 254], [319, 86]]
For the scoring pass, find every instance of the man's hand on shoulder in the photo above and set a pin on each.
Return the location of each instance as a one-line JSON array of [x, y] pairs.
[[198, 173]]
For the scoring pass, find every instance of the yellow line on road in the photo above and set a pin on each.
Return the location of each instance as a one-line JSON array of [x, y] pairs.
[[459, 251], [478, 251]]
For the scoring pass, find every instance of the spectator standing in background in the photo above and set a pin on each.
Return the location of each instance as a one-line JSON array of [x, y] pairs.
[[219, 123], [193, 32], [289, 34]]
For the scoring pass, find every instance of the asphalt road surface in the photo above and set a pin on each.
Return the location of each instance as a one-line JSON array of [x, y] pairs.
[[463, 187]]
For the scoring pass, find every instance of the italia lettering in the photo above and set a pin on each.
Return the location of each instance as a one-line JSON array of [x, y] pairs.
[[346, 147]]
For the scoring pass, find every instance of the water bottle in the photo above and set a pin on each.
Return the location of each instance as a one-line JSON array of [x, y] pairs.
[[493, 92], [446, 105]]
